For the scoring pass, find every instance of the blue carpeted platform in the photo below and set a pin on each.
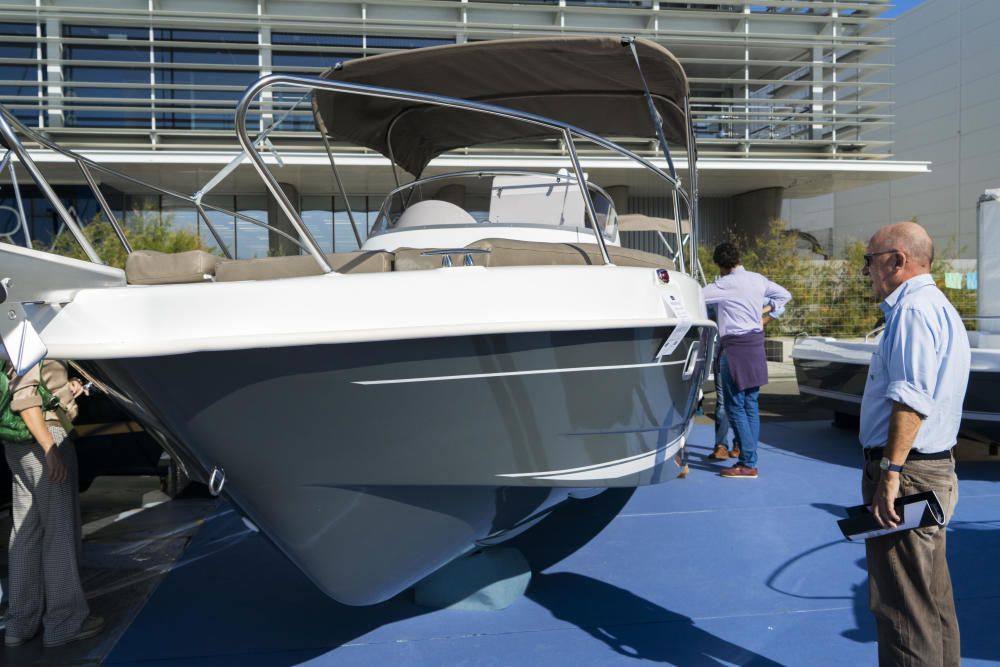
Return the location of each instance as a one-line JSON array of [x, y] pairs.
[[698, 571]]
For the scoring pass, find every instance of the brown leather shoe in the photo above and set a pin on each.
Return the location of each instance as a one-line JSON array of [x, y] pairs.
[[739, 471], [735, 453], [719, 454]]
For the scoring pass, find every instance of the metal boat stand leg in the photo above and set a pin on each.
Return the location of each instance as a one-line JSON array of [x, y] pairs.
[[483, 580]]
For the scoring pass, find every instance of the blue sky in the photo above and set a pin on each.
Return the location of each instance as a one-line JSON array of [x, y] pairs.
[[901, 6]]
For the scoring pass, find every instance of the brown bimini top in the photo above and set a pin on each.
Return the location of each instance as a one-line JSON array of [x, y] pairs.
[[588, 82]]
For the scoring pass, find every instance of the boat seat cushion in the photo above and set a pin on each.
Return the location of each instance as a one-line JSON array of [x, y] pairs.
[[507, 252], [150, 267], [274, 268]]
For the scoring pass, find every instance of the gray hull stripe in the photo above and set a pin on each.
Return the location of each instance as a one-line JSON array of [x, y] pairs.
[[840, 395], [851, 398], [544, 371]]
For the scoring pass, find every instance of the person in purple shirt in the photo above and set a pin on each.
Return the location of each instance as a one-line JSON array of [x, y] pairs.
[[738, 295]]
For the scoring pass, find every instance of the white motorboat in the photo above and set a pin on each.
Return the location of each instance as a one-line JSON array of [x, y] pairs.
[[489, 353]]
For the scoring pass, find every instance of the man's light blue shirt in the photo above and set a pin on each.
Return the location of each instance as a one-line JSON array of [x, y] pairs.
[[740, 296], [921, 361]]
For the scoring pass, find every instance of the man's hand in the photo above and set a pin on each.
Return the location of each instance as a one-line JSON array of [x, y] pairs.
[[883, 503], [54, 462], [76, 387]]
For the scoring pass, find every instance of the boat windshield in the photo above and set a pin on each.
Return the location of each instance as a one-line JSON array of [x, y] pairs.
[[495, 198]]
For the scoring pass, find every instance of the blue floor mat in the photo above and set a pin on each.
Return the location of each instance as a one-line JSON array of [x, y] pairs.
[[696, 571]]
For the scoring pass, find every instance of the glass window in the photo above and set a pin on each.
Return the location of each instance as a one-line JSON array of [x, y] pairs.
[[105, 32], [375, 42], [100, 104], [224, 224], [317, 214], [343, 235], [212, 91], [19, 98], [251, 239], [322, 53]]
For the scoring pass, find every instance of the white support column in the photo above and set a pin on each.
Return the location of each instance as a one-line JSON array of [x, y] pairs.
[[151, 8], [746, 79], [264, 62], [835, 13], [364, 29], [463, 35], [54, 72], [39, 59]]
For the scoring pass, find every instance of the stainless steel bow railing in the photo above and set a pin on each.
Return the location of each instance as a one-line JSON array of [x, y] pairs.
[[10, 128]]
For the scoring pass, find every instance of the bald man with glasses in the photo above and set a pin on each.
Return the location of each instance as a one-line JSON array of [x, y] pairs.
[[910, 414]]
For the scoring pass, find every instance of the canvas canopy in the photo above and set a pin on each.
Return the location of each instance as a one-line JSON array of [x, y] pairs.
[[589, 82]]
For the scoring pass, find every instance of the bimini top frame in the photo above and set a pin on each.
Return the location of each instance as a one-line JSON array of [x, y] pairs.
[[567, 132], [10, 128]]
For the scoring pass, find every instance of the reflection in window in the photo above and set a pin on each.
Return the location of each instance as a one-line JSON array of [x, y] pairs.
[[102, 92], [375, 42], [343, 235], [19, 97], [212, 82], [317, 214], [251, 239]]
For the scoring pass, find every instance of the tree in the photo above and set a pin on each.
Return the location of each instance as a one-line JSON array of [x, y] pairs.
[[145, 229]]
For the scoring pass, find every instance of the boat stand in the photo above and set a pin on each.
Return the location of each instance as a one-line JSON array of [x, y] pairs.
[[483, 580]]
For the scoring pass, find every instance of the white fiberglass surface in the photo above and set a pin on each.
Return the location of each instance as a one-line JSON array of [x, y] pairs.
[[984, 359], [336, 308], [487, 199]]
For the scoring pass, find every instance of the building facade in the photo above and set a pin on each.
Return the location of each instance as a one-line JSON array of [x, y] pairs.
[[945, 85], [789, 98]]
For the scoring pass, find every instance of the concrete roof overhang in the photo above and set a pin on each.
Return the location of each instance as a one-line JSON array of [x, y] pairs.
[[187, 172]]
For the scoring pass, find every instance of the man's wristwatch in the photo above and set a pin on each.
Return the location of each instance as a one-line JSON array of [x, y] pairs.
[[888, 466]]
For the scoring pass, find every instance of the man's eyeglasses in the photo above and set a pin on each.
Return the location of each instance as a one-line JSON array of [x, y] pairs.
[[868, 256]]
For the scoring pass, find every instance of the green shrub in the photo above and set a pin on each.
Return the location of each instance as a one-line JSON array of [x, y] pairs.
[[829, 297], [145, 230]]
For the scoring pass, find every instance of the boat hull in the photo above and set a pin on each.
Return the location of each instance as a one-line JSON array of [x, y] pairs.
[[839, 383], [372, 464]]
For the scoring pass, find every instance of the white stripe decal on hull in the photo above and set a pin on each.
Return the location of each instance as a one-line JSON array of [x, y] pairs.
[[610, 470], [545, 371]]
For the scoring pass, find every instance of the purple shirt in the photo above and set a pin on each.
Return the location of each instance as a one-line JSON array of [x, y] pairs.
[[740, 296]]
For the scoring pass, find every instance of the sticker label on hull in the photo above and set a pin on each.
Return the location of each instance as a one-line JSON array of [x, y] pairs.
[[676, 308]]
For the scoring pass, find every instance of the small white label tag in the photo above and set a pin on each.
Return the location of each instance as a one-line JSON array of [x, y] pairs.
[[19, 341], [676, 308]]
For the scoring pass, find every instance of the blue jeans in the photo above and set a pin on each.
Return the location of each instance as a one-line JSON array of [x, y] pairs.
[[721, 417], [743, 413]]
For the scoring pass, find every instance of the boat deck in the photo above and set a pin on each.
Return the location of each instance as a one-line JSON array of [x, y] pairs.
[[698, 571]]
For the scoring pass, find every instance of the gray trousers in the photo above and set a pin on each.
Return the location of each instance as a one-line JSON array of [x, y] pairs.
[[44, 578], [909, 584]]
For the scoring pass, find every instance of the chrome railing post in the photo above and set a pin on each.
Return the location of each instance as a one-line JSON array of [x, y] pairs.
[[692, 153], [591, 211], [269, 180], [112, 220], [14, 144]]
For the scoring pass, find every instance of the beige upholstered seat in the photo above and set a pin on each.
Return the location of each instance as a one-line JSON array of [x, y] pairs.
[[149, 267], [507, 252], [273, 268]]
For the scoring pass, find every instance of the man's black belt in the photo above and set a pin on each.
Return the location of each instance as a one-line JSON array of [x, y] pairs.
[[876, 454]]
